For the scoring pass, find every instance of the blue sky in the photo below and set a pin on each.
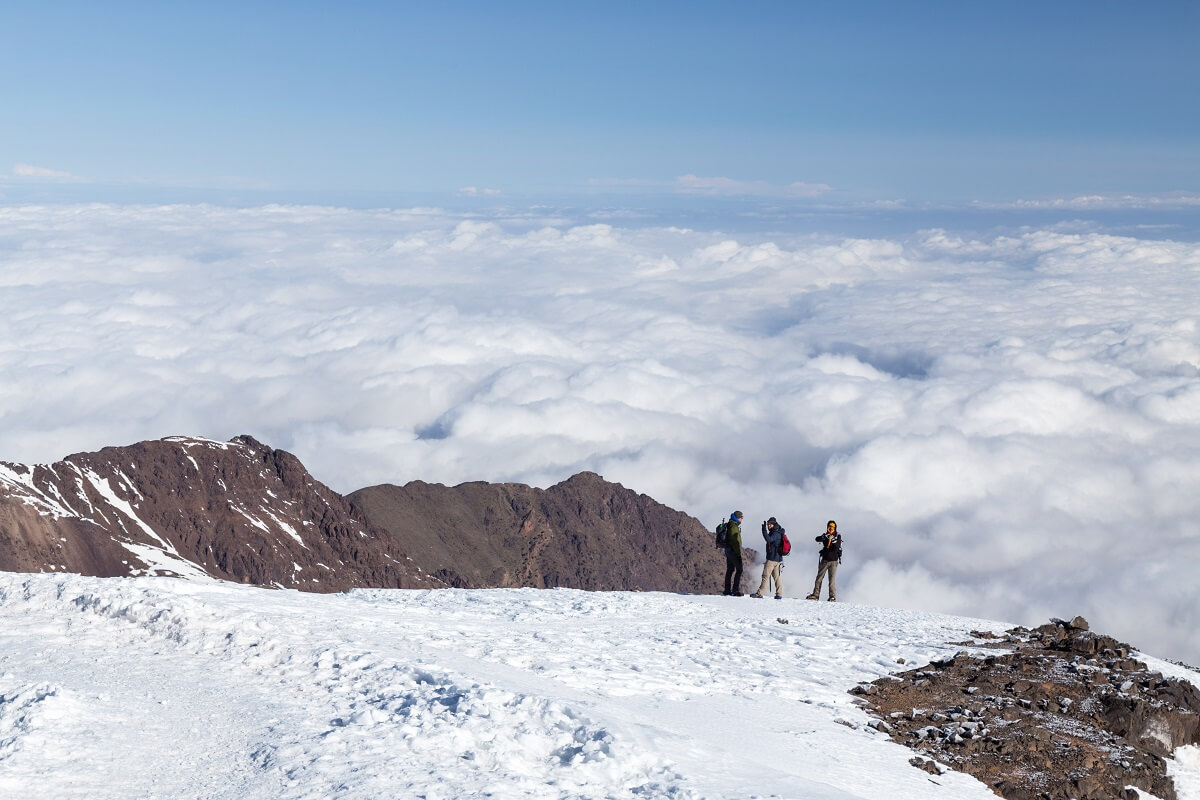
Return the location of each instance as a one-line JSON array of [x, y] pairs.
[[800, 102]]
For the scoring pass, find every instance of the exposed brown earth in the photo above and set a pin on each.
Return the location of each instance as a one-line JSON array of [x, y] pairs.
[[1061, 713], [245, 512], [585, 533]]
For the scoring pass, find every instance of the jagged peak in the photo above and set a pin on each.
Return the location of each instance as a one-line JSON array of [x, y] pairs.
[[586, 478], [249, 441]]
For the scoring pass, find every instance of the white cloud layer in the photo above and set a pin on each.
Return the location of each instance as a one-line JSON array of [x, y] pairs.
[[1005, 427]]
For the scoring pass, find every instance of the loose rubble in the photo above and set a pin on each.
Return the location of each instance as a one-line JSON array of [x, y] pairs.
[[1062, 712]]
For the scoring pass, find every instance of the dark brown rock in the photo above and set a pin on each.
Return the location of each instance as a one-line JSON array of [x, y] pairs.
[[925, 764], [584, 533], [1052, 723]]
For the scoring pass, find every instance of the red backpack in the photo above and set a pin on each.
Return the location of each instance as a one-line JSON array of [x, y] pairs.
[[786, 547]]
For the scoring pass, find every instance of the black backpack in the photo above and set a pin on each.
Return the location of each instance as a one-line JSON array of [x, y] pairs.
[[723, 534]]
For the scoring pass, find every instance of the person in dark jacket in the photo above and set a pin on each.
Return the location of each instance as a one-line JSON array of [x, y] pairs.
[[772, 533], [831, 556], [733, 556]]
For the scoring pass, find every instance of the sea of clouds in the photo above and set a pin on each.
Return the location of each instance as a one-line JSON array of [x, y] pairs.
[[1004, 425]]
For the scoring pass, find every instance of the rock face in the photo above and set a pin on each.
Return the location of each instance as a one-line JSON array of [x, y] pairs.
[[242, 511], [236, 510], [584, 533], [1063, 713]]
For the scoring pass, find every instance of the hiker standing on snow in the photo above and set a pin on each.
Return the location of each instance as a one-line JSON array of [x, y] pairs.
[[831, 556], [772, 533], [733, 556]]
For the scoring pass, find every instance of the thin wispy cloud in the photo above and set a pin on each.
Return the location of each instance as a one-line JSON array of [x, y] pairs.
[[1094, 202], [716, 186], [720, 186], [29, 171], [1003, 427], [625, 182], [477, 191]]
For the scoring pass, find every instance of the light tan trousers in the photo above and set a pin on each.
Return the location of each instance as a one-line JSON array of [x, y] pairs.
[[831, 568], [772, 570]]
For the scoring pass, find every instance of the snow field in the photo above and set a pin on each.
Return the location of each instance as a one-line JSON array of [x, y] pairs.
[[168, 688]]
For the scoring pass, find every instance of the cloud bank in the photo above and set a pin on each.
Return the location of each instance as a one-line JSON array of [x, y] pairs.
[[1006, 427]]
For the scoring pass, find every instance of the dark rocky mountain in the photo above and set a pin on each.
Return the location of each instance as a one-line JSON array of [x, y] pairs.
[[235, 510], [584, 533], [242, 511], [1059, 712]]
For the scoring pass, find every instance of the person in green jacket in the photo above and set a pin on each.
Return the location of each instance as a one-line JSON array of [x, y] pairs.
[[733, 556]]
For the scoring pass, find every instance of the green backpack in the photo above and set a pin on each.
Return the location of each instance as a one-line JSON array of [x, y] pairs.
[[723, 534]]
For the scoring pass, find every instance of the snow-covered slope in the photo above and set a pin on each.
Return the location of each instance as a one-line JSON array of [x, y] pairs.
[[164, 688]]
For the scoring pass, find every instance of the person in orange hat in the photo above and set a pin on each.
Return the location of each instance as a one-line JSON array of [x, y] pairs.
[[831, 556]]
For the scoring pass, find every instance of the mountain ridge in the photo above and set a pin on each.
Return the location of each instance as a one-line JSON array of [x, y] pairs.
[[583, 532], [243, 511]]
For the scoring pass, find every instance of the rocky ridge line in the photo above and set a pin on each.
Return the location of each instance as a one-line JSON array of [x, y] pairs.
[[584, 532], [245, 512]]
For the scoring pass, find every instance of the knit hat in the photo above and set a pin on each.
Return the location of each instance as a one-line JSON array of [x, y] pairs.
[[772, 521], [736, 515]]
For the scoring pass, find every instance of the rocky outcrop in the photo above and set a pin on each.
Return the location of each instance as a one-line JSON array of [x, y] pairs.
[[236, 510], [1060, 712], [242, 511], [584, 533]]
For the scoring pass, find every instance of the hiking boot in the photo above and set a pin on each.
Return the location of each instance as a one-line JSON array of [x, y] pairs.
[[833, 599], [812, 597], [737, 594], [756, 594], [726, 593], [778, 597]]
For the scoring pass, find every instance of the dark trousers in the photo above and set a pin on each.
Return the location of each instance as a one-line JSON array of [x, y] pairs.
[[733, 571]]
